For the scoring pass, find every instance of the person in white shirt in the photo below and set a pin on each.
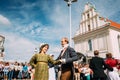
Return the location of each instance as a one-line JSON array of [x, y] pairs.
[[86, 71], [51, 70]]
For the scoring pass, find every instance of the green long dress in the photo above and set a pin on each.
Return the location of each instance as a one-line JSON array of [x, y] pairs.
[[40, 63]]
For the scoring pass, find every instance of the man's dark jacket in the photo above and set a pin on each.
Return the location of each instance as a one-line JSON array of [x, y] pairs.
[[98, 66], [70, 56]]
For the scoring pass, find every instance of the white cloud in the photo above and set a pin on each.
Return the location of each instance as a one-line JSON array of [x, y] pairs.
[[4, 20], [59, 17], [18, 48]]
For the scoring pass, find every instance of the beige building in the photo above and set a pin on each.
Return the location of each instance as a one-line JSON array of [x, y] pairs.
[[97, 33]]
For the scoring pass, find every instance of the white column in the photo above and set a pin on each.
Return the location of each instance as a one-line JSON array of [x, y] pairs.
[[81, 26], [86, 26], [90, 13], [94, 21], [91, 26], [98, 21], [83, 17]]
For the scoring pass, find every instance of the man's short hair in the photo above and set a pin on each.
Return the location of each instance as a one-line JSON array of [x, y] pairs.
[[66, 39], [96, 52], [109, 55]]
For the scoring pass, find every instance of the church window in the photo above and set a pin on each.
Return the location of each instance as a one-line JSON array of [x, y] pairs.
[[90, 45], [88, 16], [119, 42], [89, 28]]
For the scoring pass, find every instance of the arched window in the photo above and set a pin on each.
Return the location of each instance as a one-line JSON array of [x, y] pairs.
[[88, 16], [118, 42], [89, 28], [90, 44]]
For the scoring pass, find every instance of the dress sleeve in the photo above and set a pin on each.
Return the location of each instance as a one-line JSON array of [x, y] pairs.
[[33, 61], [51, 60], [107, 66]]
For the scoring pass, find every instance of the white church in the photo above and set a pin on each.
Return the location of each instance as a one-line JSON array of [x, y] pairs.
[[97, 33]]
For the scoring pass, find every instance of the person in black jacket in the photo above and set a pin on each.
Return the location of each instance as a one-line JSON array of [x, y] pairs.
[[1, 74], [98, 66], [67, 56]]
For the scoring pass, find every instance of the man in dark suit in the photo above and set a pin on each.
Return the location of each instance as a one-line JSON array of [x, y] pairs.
[[98, 66], [67, 56]]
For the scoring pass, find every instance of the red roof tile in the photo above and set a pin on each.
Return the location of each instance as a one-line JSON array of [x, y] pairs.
[[114, 24]]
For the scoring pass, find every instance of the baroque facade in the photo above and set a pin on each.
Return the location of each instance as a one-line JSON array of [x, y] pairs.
[[97, 33]]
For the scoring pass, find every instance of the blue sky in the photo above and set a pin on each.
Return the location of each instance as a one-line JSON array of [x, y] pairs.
[[26, 24]]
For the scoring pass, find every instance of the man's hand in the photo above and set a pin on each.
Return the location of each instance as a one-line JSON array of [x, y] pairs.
[[63, 61]]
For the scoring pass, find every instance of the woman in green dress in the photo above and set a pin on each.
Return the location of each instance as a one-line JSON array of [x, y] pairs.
[[40, 62]]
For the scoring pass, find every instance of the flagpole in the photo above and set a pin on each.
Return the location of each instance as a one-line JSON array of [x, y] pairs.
[[69, 2], [70, 21]]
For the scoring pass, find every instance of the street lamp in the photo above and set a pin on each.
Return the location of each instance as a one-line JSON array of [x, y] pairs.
[[69, 2]]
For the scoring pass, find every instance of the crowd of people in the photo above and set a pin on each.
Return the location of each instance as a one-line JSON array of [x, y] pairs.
[[15, 70], [66, 67], [98, 68]]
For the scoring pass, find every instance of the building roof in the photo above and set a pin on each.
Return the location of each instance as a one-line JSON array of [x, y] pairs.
[[112, 23]]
